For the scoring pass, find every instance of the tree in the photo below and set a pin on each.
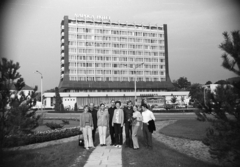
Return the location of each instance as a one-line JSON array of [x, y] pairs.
[[231, 47], [16, 116], [58, 102], [75, 107], [174, 99], [182, 83], [50, 90], [208, 83], [224, 103], [221, 82]]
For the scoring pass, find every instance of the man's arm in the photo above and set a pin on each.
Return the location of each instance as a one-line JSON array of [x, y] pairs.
[[152, 116]]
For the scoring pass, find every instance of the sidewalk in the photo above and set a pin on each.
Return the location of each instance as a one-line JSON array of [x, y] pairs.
[[106, 156]]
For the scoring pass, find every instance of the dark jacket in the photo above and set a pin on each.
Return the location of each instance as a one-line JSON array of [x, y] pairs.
[[151, 126], [111, 112], [94, 117], [128, 113]]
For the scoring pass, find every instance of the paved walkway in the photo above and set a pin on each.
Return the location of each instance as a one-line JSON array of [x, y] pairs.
[[107, 156]]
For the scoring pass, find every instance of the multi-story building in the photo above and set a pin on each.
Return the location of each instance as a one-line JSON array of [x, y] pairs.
[[99, 55]]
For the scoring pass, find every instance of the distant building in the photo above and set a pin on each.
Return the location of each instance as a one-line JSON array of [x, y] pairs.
[[100, 59]]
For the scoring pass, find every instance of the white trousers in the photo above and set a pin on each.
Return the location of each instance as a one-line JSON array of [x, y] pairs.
[[102, 134], [87, 135]]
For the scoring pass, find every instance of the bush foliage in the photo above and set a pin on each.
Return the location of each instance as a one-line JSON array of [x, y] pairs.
[[39, 137]]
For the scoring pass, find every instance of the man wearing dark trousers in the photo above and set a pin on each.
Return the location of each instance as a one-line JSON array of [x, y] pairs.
[[147, 128], [128, 113], [93, 111], [111, 128]]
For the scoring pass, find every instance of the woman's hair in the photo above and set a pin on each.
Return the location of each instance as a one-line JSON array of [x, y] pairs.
[[144, 105], [118, 102], [136, 106], [129, 102], [86, 106], [102, 104]]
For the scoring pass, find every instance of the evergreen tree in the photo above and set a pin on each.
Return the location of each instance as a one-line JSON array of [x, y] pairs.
[[58, 101], [16, 116], [75, 107], [224, 104], [174, 99]]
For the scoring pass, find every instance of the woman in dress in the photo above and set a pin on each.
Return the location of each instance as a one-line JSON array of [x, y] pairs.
[[102, 116], [137, 118], [117, 122], [86, 126]]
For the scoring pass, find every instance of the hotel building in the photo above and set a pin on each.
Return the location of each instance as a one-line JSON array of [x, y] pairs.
[[100, 59]]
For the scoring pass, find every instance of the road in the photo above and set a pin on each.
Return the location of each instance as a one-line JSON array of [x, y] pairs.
[[174, 116]]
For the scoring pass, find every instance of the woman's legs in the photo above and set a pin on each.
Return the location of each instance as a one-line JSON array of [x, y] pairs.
[[84, 131], [134, 136], [104, 134], [100, 129], [89, 133]]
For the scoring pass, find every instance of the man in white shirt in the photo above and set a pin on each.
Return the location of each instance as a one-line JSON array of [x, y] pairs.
[[147, 116]]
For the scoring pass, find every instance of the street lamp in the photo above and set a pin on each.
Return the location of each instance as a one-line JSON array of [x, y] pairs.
[[41, 88], [135, 66]]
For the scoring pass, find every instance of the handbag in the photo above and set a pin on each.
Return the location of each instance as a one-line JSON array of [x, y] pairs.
[[80, 140]]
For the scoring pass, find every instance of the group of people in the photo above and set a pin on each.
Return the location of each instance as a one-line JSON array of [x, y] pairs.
[[115, 118]]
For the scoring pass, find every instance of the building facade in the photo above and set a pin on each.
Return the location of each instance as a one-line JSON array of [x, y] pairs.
[[101, 59], [100, 55]]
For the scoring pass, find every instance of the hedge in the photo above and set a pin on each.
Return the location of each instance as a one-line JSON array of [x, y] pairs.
[[39, 137]]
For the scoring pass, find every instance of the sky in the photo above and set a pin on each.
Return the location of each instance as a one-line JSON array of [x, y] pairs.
[[30, 33]]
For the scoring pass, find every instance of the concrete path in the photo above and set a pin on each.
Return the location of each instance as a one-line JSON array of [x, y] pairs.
[[106, 156]]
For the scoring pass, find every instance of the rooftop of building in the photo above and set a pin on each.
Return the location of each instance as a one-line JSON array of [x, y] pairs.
[[106, 20]]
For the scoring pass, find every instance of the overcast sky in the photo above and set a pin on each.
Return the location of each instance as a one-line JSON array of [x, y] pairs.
[[30, 33]]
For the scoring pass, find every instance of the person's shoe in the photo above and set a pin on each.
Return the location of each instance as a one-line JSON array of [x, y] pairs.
[[116, 145], [104, 145], [87, 148], [101, 145], [119, 146]]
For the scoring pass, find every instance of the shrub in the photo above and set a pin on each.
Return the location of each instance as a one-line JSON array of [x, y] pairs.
[[65, 122], [53, 125], [39, 137]]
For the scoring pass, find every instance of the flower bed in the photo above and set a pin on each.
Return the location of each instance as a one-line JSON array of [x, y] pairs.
[[39, 137]]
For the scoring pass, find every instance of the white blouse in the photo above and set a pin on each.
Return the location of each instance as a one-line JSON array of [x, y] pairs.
[[138, 117]]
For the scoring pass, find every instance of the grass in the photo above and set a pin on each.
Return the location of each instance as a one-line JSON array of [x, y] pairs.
[[190, 129], [161, 155], [61, 155], [43, 127]]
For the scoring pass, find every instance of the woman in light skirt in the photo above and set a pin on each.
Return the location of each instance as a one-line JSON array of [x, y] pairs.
[[137, 118]]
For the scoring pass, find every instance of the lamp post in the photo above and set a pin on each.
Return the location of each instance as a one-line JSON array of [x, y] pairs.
[[135, 66], [41, 88]]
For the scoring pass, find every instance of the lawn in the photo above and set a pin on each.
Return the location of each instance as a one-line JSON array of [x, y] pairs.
[[161, 155], [189, 129], [61, 155]]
